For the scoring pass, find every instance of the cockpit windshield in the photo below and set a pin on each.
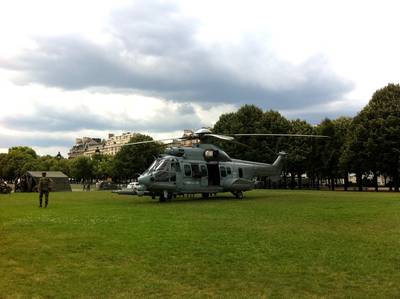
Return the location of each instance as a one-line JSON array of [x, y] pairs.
[[163, 170], [153, 166], [162, 166], [158, 165]]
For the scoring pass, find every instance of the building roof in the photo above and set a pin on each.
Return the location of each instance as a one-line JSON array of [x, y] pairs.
[[50, 174]]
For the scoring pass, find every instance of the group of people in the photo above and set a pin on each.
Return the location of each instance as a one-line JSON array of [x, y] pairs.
[[4, 188], [86, 185], [23, 184]]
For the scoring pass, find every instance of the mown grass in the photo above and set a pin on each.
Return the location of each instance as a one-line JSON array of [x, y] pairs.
[[297, 244]]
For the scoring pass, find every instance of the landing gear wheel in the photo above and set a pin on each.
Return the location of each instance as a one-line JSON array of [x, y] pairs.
[[239, 195], [205, 195]]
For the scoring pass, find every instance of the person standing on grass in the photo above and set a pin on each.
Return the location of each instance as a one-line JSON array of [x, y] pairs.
[[44, 188]]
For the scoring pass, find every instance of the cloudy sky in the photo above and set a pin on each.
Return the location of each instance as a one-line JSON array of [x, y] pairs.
[[85, 68]]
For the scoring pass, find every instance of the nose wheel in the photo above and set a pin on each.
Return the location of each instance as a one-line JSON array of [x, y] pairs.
[[238, 195]]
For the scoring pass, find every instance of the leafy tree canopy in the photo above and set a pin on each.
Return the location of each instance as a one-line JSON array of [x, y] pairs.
[[132, 160]]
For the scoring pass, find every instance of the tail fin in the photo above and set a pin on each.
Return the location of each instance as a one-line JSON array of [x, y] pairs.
[[278, 164]]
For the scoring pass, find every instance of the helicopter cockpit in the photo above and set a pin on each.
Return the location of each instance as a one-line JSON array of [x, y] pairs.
[[162, 170]]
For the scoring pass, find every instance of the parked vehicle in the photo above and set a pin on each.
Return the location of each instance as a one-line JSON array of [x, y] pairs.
[[133, 186], [106, 185]]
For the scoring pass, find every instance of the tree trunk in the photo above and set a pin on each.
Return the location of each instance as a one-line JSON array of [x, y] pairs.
[[376, 181], [396, 181], [284, 180], [299, 180], [317, 183], [332, 184], [292, 180], [359, 181], [346, 180]]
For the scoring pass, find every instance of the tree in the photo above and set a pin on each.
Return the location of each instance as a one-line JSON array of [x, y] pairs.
[[23, 150], [17, 161], [132, 160], [374, 141], [62, 165], [246, 120], [82, 168], [382, 119], [251, 119], [329, 150], [3, 160], [103, 166], [299, 150], [354, 157]]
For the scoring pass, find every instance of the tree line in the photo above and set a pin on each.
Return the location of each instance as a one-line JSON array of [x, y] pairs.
[[127, 164], [367, 145]]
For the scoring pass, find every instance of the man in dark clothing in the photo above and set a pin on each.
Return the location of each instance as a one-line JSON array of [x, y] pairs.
[[44, 188]]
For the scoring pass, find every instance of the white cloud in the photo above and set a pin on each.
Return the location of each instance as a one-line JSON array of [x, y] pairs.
[[280, 45], [50, 119]]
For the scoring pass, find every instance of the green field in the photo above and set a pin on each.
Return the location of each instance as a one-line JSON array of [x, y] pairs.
[[301, 244]]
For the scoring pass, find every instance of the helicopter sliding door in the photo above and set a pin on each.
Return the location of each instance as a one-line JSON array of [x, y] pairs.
[[194, 177], [204, 175], [213, 174]]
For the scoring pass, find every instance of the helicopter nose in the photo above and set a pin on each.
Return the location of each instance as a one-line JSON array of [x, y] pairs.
[[145, 179]]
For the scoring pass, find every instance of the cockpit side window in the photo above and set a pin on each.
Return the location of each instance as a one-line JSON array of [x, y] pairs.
[[196, 171], [203, 170], [175, 167], [228, 170], [223, 171]]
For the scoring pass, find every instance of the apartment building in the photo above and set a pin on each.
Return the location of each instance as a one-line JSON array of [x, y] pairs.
[[88, 146]]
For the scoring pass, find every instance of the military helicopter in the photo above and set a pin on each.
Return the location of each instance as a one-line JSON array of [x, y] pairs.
[[205, 168]]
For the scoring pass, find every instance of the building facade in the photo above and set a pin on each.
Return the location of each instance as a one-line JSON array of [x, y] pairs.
[[115, 142], [88, 146]]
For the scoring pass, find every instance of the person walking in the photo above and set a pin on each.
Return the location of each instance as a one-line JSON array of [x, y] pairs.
[[44, 188]]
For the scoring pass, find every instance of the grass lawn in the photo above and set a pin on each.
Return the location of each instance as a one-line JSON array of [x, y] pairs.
[[302, 244]]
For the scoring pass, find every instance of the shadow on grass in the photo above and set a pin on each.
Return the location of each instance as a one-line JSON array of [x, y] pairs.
[[183, 200]]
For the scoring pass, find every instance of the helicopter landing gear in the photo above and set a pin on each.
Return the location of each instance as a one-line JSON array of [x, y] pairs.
[[238, 195], [205, 195]]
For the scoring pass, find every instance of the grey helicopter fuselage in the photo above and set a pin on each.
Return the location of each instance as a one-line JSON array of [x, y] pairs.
[[204, 169]]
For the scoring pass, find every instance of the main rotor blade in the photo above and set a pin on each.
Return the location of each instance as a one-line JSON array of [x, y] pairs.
[[283, 135], [223, 137], [153, 141]]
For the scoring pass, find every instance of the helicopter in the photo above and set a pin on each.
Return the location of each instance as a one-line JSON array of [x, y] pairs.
[[205, 168]]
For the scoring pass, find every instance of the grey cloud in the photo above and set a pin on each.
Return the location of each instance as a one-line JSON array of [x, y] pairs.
[[7, 141], [50, 119], [315, 117], [155, 52]]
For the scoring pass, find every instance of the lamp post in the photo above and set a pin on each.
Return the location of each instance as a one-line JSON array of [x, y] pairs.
[[58, 156]]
